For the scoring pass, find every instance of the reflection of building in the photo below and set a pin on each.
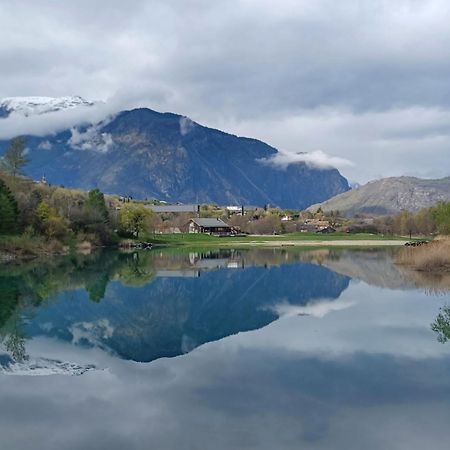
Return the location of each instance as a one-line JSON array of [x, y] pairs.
[[209, 226], [178, 273], [216, 259]]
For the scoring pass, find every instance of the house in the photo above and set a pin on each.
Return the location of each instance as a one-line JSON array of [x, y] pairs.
[[210, 226], [326, 230], [311, 225]]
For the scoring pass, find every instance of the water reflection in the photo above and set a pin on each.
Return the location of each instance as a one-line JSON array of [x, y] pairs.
[[148, 305], [348, 365]]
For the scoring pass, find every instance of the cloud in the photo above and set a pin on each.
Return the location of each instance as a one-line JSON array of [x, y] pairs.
[[297, 74], [91, 139], [16, 124], [316, 158], [186, 125], [402, 141]]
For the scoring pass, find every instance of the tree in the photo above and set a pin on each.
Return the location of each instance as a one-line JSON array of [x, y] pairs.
[[52, 224], [96, 202], [441, 215], [8, 210], [15, 158], [135, 219], [441, 325]]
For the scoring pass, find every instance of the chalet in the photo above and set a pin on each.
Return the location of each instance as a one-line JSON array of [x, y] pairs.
[[326, 230], [210, 226]]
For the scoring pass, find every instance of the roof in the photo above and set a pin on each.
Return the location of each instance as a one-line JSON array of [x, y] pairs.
[[211, 223], [173, 208]]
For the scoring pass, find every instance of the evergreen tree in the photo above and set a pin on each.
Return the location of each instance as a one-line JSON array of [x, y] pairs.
[[96, 202], [8, 210], [15, 159]]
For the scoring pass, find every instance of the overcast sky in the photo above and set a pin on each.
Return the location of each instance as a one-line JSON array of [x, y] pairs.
[[366, 82]]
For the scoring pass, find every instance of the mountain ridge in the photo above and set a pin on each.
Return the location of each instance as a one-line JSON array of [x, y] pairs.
[[389, 196], [148, 154]]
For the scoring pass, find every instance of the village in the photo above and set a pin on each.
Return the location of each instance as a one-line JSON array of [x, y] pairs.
[[235, 220]]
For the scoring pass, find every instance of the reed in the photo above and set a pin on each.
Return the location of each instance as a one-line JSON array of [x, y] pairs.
[[433, 257]]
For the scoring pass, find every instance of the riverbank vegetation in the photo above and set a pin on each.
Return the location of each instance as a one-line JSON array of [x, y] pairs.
[[433, 257]]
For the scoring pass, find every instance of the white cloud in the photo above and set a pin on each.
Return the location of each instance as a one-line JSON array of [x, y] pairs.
[[317, 158], [363, 81], [91, 139], [186, 125]]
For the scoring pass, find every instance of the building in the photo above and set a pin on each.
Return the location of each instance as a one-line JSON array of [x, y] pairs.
[[326, 230], [174, 208], [210, 226]]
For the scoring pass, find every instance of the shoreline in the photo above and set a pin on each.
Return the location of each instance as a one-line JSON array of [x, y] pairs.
[[321, 243], [8, 256]]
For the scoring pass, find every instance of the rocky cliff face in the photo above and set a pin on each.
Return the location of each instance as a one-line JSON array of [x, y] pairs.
[[389, 196], [148, 154]]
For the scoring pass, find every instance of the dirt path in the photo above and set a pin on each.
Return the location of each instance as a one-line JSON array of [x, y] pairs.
[[318, 243]]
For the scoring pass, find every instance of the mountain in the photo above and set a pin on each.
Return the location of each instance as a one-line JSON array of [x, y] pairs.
[[389, 196], [166, 156], [39, 105]]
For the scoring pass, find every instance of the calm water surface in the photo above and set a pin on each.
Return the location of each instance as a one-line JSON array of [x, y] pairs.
[[261, 349]]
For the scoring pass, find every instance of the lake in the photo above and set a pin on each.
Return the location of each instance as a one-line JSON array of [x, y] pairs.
[[222, 349]]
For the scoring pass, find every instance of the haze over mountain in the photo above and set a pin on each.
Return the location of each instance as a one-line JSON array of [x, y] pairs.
[[389, 196], [166, 156]]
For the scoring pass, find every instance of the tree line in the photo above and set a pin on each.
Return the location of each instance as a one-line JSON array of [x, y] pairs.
[[60, 215]]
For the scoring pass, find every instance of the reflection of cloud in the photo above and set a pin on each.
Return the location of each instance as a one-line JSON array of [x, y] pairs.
[[316, 309], [92, 333], [45, 145]]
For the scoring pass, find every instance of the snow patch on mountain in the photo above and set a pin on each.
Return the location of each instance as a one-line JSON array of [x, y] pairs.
[[28, 106]]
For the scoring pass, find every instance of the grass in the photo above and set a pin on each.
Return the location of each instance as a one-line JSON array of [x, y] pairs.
[[433, 257], [185, 239], [24, 246]]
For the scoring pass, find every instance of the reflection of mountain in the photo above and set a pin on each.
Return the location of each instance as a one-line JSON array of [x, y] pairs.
[[142, 317], [40, 366], [374, 267], [172, 316]]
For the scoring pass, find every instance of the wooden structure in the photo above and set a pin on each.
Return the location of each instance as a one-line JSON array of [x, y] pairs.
[[210, 226]]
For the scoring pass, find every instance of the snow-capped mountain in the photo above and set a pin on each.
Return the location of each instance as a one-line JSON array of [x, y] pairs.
[[40, 105]]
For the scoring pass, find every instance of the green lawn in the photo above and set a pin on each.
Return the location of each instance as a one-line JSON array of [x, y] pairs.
[[204, 239]]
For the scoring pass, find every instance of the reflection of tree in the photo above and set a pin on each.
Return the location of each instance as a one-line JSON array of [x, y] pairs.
[[441, 325], [10, 319], [97, 287], [15, 345], [138, 270]]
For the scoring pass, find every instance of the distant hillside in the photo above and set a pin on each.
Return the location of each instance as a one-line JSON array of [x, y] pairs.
[[389, 196], [148, 154]]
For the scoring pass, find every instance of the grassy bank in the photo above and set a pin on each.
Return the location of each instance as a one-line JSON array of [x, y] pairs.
[[433, 257], [251, 240], [23, 247]]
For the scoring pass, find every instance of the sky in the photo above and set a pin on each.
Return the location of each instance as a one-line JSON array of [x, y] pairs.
[[360, 85]]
